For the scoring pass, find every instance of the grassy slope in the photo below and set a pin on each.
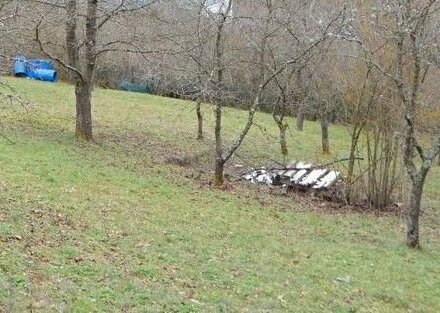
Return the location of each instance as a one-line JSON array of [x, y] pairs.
[[111, 227]]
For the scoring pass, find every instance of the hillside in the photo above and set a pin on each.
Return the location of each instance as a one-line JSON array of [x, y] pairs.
[[116, 226]]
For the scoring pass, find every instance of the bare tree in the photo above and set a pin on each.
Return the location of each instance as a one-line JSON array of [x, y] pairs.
[[325, 94], [224, 154], [409, 28], [195, 49], [280, 112], [8, 95], [217, 81], [200, 70], [295, 88], [414, 30], [84, 25]]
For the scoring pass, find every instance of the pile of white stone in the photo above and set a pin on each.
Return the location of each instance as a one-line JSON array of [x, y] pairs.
[[296, 174]]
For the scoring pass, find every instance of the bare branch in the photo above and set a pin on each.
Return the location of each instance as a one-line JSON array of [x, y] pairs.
[[51, 56]]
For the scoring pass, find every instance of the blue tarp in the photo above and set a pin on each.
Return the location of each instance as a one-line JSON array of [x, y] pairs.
[[40, 69], [133, 87]]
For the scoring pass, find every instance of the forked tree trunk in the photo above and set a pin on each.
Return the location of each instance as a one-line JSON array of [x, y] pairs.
[[219, 172], [282, 128], [199, 120], [83, 112], [325, 136], [412, 219]]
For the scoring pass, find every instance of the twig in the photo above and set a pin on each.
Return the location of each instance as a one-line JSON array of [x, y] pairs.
[[7, 139], [342, 160]]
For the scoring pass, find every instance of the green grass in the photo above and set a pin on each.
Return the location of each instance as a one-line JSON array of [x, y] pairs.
[[112, 227]]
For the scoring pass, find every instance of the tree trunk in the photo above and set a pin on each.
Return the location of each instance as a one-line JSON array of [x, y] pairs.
[[71, 39], [219, 172], [83, 112], [84, 85], [300, 119], [283, 140], [199, 120], [412, 220], [325, 136], [351, 162], [354, 143], [219, 161]]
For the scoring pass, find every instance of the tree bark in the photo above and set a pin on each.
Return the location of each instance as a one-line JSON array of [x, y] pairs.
[[283, 140], [356, 132], [71, 38], [219, 161], [219, 172], [83, 112], [218, 110], [200, 136], [412, 220], [84, 80], [279, 119], [300, 119], [325, 135]]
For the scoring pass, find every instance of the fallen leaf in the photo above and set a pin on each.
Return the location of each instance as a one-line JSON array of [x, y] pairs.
[[344, 279]]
